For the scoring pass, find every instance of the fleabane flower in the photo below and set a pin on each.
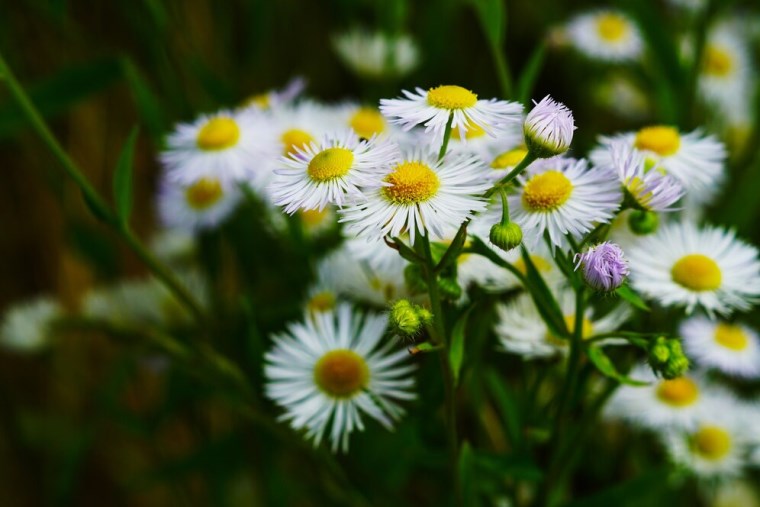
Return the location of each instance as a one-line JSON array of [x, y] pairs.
[[731, 348], [605, 35], [725, 78], [25, 327], [548, 128], [649, 187], [419, 195], [226, 144], [329, 370], [197, 204], [694, 159], [330, 172], [563, 196], [682, 265], [434, 107], [604, 266], [376, 55]]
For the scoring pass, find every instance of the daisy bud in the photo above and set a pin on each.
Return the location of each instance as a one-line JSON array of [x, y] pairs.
[[404, 319], [548, 128], [506, 236], [667, 359], [604, 266], [643, 222]]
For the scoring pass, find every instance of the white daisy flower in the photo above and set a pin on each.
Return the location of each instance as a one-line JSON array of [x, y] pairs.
[[26, 326], [419, 195], [716, 447], [623, 97], [681, 265], [725, 79], [731, 348], [376, 55], [199, 204], [328, 371], [434, 107], [694, 159], [521, 330], [563, 196], [225, 144], [606, 35], [330, 172], [649, 187], [660, 404]]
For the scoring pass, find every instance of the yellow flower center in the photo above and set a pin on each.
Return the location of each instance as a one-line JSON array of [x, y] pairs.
[[330, 164], [730, 336], [313, 217], [696, 272], [204, 193], [218, 134], [637, 189], [294, 138], [471, 132], [451, 97], [509, 158], [611, 27], [341, 373], [367, 122], [717, 62], [546, 191], [659, 139], [678, 392], [321, 302], [712, 442], [411, 183], [542, 265]]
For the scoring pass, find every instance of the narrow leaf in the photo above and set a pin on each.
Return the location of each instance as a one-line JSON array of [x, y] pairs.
[[122, 178], [545, 302], [604, 364], [456, 348], [530, 73], [627, 294], [492, 16]]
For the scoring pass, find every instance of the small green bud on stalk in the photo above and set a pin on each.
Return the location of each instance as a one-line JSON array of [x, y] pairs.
[[506, 236], [643, 222], [667, 359]]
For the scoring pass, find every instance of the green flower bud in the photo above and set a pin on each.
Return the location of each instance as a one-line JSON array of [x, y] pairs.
[[404, 318], [425, 315], [506, 236], [666, 357], [643, 222]]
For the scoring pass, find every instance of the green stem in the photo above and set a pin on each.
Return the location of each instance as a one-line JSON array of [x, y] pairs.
[[504, 206], [99, 206], [514, 173], [446, 137]]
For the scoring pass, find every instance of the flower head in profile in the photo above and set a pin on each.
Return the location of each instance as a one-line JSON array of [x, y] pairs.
[[329, 370], [419, 195], [376, 55], [605, 35], [605, 268], [683, 265], [434, 107], [330, 172], [732, 348], [549, 128]]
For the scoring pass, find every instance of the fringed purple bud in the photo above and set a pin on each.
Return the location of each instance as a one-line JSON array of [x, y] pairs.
[[605, 268]]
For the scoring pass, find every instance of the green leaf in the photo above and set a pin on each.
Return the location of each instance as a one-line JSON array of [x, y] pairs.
[[122, 178], [456, 348], [492, 16], [627, 294], [604, 364], [543, 298], [507, 405], [466, 476], [530, 73], [148, 106]]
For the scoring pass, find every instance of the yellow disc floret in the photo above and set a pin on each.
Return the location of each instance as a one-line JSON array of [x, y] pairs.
[[294, 138], [678, 392], [659, 139], [411, 183], [712, 442], [612, 27], [321, 302], [341, 373], [717, 62], [509, 158], [330, 164], [731, 336], [218, 134], [451, 97], [204, 193], [546, 191], [367, 122], [696, 272]]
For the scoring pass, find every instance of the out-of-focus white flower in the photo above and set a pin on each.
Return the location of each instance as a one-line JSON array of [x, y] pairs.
[[195, 205], [25, 327], [731, 348], [606, 35], [376, 55]]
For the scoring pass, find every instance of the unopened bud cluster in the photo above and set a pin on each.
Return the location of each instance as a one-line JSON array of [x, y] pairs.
[[407, 319], [666, 357]]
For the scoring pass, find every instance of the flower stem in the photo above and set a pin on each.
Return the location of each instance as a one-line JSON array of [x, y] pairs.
[[446, 137], [94, 200], [504, 206], [514, 173]]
